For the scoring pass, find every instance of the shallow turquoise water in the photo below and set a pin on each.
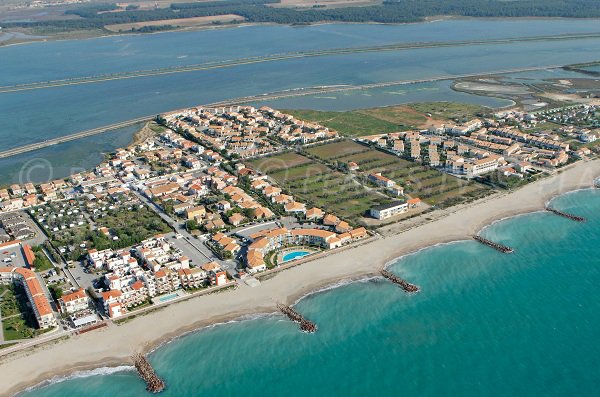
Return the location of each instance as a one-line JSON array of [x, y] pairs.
[[484, 324]]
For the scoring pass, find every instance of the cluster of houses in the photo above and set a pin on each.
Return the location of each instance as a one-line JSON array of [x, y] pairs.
[[16, 227], [267, 241], [244, 130], [573, 115], [152, 268], [17, 196], [474, 148], [77, 306], [179, 167]]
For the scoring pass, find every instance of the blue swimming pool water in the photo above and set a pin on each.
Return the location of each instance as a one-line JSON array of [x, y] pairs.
[[166, 298], [294, 255]]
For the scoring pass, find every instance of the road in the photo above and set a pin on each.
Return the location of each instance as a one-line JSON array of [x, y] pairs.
[[204, 252], [279, 57], [26, 343], [71, 137], [1, 328]]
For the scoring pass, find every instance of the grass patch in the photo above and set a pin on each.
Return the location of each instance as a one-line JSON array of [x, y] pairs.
[[279, 162], [337, 149], [450, 110], [353, 123], [305, 171], [41, 263], [402, 115], [9, 305], [543, 126], [317, 185], [387, 119], [431, 185], [22, 323]]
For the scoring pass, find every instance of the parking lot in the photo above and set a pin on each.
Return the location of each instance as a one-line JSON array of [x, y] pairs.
[[198, 252], [27, 224], [12, 257]]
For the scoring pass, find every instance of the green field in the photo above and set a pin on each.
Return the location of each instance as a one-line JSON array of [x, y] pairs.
[[278, 162], [41, 263], [18, 321], [315, 184], [352, 123], [8, 302], [449, 110], [401, 115], [335, 150], [431, 185], [383, 120]]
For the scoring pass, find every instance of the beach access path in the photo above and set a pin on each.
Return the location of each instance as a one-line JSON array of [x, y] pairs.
[[112, 346]]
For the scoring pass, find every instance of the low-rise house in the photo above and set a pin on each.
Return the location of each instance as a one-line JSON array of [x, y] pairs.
[[414, 202], [385, 211], [396, 190], [352, 166], [330, 220], [342, 227], [358, 233], [262, 213], [236, 219], [314, 214], [195, 212], [295, 207], [271, 191], [380, 180]]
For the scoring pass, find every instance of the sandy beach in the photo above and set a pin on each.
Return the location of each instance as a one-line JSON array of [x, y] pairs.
[[112, 346]]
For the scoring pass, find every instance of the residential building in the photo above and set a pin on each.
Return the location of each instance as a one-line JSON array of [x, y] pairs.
[[385, 211]]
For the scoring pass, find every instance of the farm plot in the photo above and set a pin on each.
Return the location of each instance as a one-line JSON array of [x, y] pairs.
[[317, 185], [335, 150], [279, 162], [431, 185], [336, 192]]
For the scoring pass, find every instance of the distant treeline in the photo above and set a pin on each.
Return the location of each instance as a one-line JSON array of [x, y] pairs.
[[151, 29], [389, 12]]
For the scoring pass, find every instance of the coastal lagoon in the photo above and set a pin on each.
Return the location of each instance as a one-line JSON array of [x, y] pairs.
[[484, 323], [38, 115]]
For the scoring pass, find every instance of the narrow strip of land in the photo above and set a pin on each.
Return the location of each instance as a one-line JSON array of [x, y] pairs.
[[278, 57], [263, 97]]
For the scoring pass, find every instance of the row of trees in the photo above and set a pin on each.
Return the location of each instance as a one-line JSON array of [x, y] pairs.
[[391, 11]]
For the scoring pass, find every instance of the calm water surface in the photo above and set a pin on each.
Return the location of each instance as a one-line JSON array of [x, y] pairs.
[[34, 116]]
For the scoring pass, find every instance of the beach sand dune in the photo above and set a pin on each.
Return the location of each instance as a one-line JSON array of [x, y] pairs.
[[114, 345]]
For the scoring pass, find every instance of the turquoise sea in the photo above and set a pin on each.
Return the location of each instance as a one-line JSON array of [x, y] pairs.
[[484, 324]]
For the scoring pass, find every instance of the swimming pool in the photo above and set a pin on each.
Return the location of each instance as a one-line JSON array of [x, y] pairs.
[[290, 256], [166, 298]]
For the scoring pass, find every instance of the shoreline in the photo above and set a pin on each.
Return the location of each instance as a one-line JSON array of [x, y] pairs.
[[426, 20], [113, 345]]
